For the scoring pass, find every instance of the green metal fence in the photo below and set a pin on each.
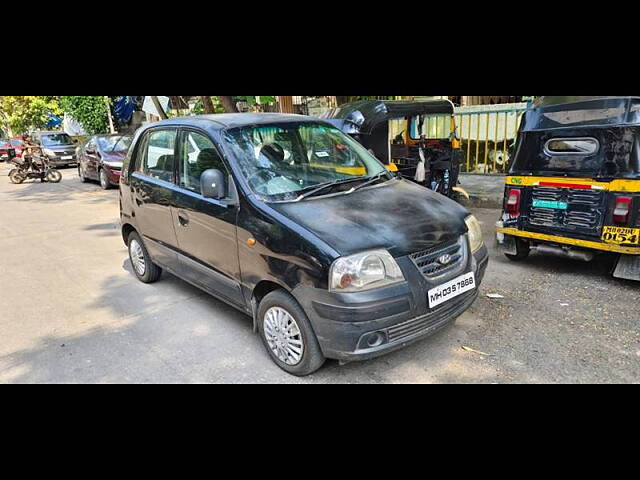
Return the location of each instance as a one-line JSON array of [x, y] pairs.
[[487, 134], [488, 137]]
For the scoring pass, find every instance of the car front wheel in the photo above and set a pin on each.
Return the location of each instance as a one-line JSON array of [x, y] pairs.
[[83, 179], [104, 180], [287, 334]]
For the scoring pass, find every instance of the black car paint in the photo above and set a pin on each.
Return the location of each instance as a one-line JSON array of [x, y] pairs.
[[295, 242]]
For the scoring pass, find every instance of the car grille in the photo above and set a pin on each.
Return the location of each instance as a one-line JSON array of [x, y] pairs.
[[428, 261], [439, 315], [64, 154], [584, 209]]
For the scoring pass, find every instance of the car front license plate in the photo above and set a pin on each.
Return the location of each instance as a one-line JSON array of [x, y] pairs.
[[67, 157], [621, 235], [451, 289]]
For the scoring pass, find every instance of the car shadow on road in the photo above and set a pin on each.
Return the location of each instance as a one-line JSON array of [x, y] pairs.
[[172, 332], [56, 193], [105, 229]]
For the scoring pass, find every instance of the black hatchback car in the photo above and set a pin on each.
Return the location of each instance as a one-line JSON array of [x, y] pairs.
[[296, 224]]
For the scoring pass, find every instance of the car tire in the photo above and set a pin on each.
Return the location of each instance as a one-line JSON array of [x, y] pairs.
[[104, 179], [141, 263], [83, 179], [273, 309], [522, 251]]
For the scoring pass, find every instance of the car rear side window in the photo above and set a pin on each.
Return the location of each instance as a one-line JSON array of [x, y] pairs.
[[198, 153], [157, 160]]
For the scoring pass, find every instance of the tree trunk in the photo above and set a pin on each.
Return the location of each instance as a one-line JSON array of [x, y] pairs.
[[228, 104], [159, 109], [207, 104]]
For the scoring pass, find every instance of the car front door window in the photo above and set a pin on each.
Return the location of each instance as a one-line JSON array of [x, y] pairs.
[[198, 153]]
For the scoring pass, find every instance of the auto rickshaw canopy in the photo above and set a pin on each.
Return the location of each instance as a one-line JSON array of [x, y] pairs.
[[363, 116], [550, 113]]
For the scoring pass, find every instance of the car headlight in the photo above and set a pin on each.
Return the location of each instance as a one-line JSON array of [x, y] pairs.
[[475, 233], [364, 271], [48, 152], [113, 164]]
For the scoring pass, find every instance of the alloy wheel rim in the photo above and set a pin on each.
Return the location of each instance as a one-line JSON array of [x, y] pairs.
[[137, 257], [283, 335]]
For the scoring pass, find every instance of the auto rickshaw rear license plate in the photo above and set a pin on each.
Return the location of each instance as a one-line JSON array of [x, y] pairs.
[[621, 235]]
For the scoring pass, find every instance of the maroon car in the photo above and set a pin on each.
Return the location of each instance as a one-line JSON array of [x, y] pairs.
[[100, 158], [5, 146], [16, 143]]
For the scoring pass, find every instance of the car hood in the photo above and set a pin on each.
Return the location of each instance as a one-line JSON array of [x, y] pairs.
[[401, 216], [114, 157], [62, 148]]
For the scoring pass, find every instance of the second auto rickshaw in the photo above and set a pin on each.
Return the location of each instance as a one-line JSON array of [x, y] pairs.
[[415, 138], [574, 185]]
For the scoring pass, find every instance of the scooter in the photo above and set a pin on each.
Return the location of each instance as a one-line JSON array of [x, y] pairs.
[[29, 168]]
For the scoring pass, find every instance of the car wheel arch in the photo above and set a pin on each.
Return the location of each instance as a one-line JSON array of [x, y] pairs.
[[127, 228], [262, 289]]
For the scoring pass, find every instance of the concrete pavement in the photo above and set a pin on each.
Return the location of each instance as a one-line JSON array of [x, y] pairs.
[[72, 311]]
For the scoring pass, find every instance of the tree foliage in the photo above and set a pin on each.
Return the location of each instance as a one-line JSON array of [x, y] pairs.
[[90, 112], [23, 113]]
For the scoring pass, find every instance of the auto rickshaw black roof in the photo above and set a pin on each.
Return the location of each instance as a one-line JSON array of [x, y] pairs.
[[551, 113], [364, 115]]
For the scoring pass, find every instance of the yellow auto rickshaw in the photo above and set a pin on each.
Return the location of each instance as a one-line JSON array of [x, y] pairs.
[[574, 185]]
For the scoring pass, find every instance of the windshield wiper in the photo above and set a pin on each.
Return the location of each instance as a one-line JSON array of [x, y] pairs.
[[368, 182], [323, 186]]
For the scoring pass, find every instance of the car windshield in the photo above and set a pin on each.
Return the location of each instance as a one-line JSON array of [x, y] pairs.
[[15, 142], [117, 143], [281, 161], [56, 139]]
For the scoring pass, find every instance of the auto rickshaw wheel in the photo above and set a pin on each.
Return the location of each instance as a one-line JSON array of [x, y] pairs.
[[522, 251]]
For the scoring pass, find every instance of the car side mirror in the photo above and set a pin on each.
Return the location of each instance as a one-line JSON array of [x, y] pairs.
[[212, 184]]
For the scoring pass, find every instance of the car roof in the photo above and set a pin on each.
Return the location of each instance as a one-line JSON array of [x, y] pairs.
[[231, 120]]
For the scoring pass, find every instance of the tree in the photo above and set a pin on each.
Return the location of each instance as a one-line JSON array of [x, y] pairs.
[[207, 104], [90, 112], [19, 114], [159, 109], [227, 103]]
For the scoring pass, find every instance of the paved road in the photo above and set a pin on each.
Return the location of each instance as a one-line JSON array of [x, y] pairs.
[[72, 311]]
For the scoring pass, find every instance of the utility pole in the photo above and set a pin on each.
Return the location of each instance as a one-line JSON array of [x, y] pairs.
[[106, 101]]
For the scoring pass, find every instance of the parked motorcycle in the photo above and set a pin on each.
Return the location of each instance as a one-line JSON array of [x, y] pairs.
[[36, 167]]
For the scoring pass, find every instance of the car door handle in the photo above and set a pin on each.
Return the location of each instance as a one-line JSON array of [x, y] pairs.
[[183, 219]]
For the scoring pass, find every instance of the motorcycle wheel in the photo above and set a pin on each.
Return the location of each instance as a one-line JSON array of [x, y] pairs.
[[16, 176], [53, 176]]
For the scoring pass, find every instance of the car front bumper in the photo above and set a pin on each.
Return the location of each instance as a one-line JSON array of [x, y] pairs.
[[113, 174], [57, 161], [362, 325]]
